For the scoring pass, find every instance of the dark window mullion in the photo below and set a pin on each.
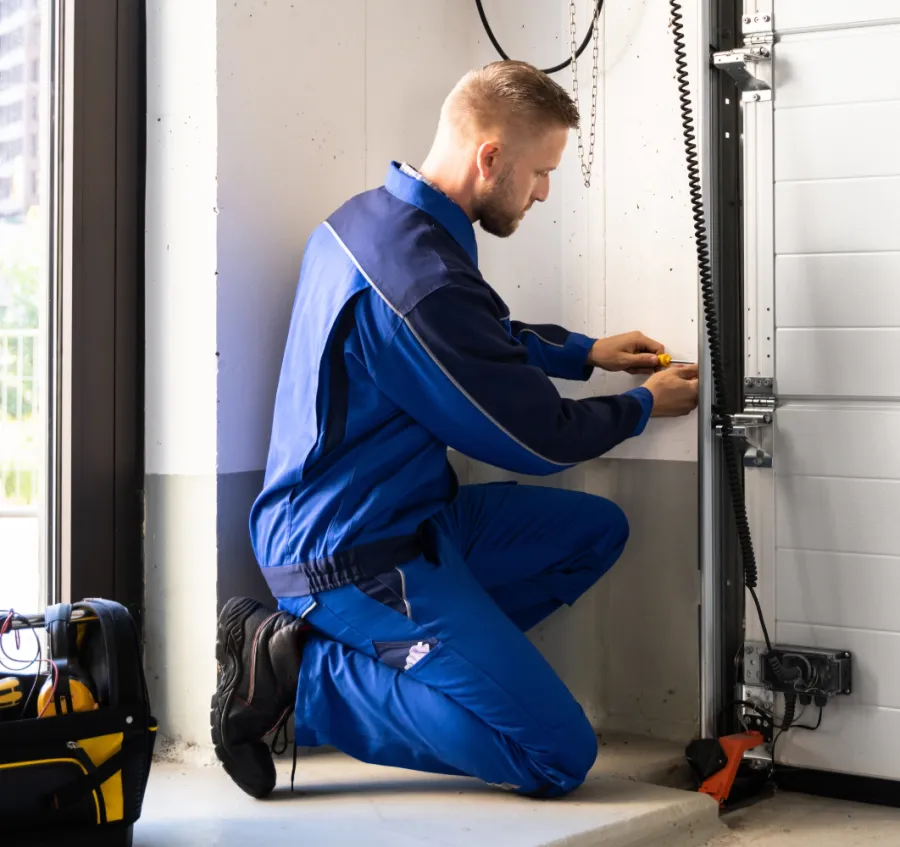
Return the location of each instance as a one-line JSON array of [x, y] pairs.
[[129, 383], [105, 294]]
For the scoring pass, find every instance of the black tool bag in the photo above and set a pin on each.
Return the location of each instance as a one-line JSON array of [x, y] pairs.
[[73, 777]]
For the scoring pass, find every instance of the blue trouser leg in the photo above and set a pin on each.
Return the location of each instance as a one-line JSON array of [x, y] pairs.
[[427, 667], [534, 549]]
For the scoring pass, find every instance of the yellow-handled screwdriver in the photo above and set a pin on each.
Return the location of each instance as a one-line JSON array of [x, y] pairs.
[[666, 361], [10, 692]]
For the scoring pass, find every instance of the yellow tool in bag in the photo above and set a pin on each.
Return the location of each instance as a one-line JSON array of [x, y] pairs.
[[10, 692], [76, 733]]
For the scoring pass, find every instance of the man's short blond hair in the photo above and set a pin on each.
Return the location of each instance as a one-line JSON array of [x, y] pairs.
[[510, 92]]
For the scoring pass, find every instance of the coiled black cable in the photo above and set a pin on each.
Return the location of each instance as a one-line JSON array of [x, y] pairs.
[[710, 312], [555, 68]]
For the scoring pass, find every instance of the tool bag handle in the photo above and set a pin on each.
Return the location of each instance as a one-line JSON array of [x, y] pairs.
[[127, 682], [57, 619]]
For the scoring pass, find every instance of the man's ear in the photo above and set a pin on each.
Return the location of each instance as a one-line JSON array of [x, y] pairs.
[[487, 159]]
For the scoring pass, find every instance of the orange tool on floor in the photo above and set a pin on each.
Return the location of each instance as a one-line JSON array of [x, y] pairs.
[[733, 746]]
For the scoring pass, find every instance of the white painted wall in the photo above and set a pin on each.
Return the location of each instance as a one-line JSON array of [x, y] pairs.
[[269, 115], [301, 131], [180, 399], [181, 238]]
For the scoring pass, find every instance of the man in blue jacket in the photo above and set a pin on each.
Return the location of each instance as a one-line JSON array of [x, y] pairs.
[[404, 598]]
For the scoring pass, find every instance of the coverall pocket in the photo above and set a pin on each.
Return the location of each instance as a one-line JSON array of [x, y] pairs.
[[389, 589], [407, 655]]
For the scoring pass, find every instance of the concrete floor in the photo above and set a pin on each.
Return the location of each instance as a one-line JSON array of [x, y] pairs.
[[795, 820], [342, 803]]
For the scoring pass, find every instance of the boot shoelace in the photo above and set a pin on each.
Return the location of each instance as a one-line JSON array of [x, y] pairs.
[[280, 742]]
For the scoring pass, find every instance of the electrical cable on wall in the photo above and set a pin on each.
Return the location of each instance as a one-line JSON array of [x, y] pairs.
[[587, 163], [562, 65]]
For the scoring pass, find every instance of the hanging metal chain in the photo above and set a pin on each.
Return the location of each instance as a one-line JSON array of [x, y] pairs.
[[586, 166]]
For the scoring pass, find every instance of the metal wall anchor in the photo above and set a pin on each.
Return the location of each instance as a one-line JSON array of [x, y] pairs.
[[739, 64]]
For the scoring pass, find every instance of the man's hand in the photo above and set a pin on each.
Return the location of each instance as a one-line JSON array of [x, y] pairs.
[[674, 391], [632, 352]]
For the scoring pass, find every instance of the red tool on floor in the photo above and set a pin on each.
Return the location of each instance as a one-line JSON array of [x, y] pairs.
[[716, 761], [734, 746]]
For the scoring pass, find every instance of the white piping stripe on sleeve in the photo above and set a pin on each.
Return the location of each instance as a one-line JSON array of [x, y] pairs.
[[541, 338], [434, 359]]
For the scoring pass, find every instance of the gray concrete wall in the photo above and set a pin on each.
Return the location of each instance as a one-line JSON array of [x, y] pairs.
[[238, 572], [649, 603]]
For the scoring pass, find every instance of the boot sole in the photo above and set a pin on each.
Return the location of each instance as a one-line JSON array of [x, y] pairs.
[[229, 644]]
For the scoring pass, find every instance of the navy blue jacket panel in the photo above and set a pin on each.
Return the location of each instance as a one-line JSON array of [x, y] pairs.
[[397, 348]]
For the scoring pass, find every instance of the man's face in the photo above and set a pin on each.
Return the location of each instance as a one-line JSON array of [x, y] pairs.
[[513, 181]]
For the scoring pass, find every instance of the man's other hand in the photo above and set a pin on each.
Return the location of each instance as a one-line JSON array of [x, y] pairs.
[[632, 352], [674, 391]]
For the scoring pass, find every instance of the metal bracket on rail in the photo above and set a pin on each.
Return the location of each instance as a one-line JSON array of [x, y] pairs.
[[760, 403]]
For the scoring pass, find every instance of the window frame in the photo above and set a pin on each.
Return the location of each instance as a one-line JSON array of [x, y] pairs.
[[95, 505]]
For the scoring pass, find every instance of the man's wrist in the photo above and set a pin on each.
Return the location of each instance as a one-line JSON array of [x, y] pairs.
[[646, 398], [587, 345]]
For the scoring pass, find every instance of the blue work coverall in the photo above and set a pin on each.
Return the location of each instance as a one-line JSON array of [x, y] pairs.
[[420, 590]]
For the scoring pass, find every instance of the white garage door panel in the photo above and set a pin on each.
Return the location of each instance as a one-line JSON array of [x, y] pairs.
[[802, 14], [853, 66], [857, 363], [838, 216], [851, 442], [843, 515], [841, 289], [825, 183], [862, 740], [873, 653], [842, 589], [832, 142]]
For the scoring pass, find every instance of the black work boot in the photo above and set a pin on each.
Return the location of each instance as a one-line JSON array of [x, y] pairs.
[[259, 653]]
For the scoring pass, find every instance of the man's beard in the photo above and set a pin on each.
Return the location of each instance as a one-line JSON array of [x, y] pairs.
[[494, 210]]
